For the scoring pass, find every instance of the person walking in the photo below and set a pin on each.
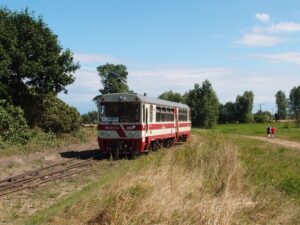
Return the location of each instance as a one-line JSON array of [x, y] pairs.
[[268, 129], [273, 131]]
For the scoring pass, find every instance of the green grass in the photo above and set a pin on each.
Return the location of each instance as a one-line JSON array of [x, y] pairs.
[[285, 130], [267, 165], [273, 166]]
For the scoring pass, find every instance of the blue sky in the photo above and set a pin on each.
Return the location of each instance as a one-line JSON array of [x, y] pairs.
[[170, 45]]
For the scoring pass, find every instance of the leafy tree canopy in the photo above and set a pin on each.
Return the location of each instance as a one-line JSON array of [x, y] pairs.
[[204, 105], [227, 113], [90, 117], [113, 78], [32, 61], [172, 96], [244, 106], [262, 116], [13, 126], [58, 117], [294, 103], [282, 105]]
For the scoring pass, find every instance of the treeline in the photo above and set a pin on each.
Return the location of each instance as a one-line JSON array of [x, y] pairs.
[[203, 102], [206, 109], [34, 68]]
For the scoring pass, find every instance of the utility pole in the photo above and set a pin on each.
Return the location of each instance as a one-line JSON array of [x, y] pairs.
[[260, 108]]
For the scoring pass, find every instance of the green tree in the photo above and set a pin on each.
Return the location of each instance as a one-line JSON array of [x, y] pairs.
[[90, 117], [262, 116], [227, 113], [294, 103], [282, 105], [204, 105], [58, 117], [13, 126], [113, 78], [32, 61], [244, 106], [172, 96]]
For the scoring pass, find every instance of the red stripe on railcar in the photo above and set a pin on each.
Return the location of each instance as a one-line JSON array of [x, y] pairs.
[[184, 124], [160, 126]]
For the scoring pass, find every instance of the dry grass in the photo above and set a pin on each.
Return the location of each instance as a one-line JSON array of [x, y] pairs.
[[213, 179], [197, 183]]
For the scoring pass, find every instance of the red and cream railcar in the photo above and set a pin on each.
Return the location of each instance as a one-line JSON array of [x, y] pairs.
[[131, 124]]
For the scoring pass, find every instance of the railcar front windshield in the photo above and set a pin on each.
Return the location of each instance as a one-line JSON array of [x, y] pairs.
[[123, 112]]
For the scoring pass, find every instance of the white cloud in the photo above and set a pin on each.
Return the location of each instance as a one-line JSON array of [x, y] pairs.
[[287, 57], [94, 58], [259, 40], [269, 34], [262, 17], [179, 79], [283, 27], [83, 90]]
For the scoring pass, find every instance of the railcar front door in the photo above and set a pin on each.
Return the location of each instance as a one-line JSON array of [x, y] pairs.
[[176, 123], [147, 123]]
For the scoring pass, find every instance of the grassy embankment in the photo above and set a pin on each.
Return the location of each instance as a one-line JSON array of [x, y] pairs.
[[285, 130], [41, 141], [213, 179]]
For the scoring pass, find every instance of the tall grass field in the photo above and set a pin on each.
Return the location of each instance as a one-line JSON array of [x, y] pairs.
[[216, 178], [285, 130]]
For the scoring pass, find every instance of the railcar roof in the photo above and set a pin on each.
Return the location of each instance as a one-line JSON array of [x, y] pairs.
[[156, 101]]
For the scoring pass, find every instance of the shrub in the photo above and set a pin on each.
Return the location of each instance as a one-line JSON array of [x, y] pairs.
[[13, 126], [90, 117], [262, 117], [58, 117]]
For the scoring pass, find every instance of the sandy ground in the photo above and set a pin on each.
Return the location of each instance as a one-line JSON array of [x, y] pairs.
[[285, 143]]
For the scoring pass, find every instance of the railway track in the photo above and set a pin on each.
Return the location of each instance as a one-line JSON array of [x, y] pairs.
[[34, 178]]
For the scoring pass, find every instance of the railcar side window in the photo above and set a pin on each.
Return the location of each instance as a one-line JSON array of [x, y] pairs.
[[158, 114], [151, 113], [163, 114], [172, 114], [144, 112], [183, 115]]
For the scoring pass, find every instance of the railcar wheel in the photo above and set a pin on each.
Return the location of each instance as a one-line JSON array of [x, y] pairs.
[[133, 155], [115, 154]]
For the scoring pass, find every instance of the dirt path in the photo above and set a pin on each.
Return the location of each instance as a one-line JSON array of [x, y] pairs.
[[285, 143]]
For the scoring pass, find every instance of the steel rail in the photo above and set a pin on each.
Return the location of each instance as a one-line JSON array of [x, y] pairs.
[[40, 176]]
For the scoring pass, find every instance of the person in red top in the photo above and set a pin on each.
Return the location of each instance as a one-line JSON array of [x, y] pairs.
[[273, 131]]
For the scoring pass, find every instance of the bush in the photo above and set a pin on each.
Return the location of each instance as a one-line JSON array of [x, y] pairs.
[[13, 125], [58, 117], [90, 117], [262, 117]]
